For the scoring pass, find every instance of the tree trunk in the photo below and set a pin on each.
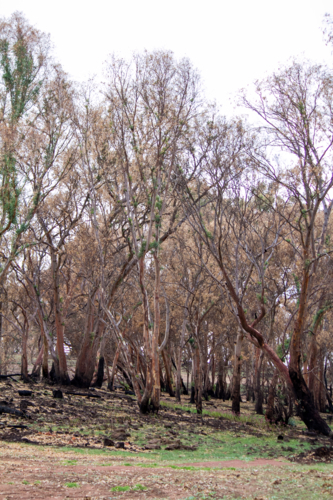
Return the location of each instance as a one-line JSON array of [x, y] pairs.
[[181, 347], [114, 369], [321, 388], [304, 401], [198, 381], [193, 378], [61, 366], [36, 368], [258, 391], [156, 392], [236, 379], [270, 413], [45, 362], [100, 368], [213, 362], [24, 359], [168, 375], [220, 386], [147, 336], [1, 341], [85, 363]]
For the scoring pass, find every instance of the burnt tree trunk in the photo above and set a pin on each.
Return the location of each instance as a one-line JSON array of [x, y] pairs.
[[198, 382], [304, 401], [168, 375], [101, 364], [114, 369], [270, 412], [258, 390], [236, 379]]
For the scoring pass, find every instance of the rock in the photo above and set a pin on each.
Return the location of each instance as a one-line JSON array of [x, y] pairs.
[[188, 448], [120, 434], [168, 426], [120, 445], [166, 441], [25, 393], [153, 445], [108, 442], [323, 451], [155, 441], [57, 393], [24, 404], [176, 445]]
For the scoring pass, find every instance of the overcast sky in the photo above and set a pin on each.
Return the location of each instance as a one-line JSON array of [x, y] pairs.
[[232, 43]]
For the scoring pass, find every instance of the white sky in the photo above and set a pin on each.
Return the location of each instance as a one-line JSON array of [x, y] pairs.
[[231, 42]]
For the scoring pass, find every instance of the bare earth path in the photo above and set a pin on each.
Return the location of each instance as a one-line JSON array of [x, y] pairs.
[[43, 474], [32, 472]]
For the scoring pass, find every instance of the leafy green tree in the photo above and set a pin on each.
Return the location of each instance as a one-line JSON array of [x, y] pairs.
[[23, 61]]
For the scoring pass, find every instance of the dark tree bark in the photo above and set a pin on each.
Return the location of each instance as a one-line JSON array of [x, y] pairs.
[[258, 389], [100, 369], [168, 375], [236, 379]]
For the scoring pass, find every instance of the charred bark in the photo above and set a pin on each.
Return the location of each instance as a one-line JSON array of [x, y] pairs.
[[236, 379], [100, 373], [305, 407]]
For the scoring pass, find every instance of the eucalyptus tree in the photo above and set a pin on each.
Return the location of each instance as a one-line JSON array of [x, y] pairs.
[[153, 105], [295, 107], [31, 130]]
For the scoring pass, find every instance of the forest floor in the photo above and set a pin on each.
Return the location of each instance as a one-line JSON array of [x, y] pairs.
[[97, 445]]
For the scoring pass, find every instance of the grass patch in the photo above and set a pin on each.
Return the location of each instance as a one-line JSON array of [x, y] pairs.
[[69, 462], [139, 487], [72, 485], [120, 488]]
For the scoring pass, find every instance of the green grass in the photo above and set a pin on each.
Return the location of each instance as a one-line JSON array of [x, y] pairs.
[[215, 446], [72, 485], [258, 420], [139, 487], [25, 481]]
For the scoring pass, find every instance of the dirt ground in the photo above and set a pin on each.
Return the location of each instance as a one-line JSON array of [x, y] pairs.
[[97, 445], [25, 477]]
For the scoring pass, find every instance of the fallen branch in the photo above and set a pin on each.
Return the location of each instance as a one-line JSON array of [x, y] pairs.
[[11, 375], [11, 411], [87, 395]]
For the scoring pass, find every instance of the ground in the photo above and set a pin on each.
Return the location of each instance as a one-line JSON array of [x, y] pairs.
[[102, 448]]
